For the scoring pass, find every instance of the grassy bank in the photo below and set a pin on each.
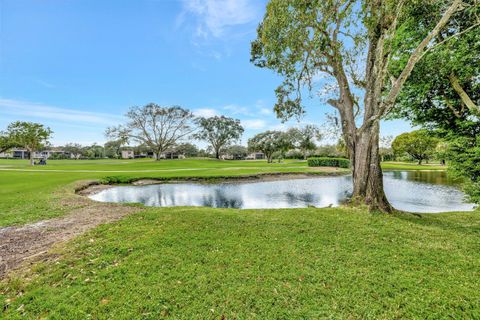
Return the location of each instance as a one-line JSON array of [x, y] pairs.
[[390, 165], [203, 263], [30, 194]]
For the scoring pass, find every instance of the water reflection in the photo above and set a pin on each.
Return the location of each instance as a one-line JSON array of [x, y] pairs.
[[410, 191]]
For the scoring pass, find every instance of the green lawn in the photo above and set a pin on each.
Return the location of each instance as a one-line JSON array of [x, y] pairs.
[[202, 263], [390, 165], [30, 194]]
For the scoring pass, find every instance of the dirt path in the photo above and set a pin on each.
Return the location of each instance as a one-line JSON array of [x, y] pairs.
[[30, 243]]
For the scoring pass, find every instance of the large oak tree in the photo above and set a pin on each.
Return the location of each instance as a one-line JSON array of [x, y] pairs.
[[350, 42], [159, 128], [270, 142], [219, 132], [29, 135]]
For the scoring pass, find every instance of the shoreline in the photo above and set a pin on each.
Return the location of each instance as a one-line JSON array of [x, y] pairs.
[[95, 187]]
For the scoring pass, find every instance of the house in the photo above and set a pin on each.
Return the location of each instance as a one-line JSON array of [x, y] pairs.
[[20, 154], [128, 154], [255, 156], [17, 153], [171, 155], [227, 157], [232, 157], [6, 154]]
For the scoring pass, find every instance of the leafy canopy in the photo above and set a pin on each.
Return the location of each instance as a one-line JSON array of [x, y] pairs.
[[270, 142], [419, 144], [219, 131], [29, 135], [157, 127]]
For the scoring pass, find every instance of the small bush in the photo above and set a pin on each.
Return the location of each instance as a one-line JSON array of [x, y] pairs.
[[329, 162], [117, 180]]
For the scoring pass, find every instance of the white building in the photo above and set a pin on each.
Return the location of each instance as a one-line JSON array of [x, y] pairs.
[[171, 155], [17, 153], [255, 156], [128, 154]]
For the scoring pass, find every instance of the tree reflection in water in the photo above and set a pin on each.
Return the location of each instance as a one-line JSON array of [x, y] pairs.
[[407, 190]]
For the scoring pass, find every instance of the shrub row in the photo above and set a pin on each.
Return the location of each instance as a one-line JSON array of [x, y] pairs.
[[329, 162]]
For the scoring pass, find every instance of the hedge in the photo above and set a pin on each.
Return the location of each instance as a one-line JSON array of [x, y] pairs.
[[328, 162]]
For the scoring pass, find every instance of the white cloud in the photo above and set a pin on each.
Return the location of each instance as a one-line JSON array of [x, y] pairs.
[[280, 127], [214, 17], [265, 111], [205, 112], [255, 124], [21, 108], [234, 109]]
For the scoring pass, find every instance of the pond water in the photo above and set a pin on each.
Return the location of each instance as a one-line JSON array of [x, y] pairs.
[[414, 191]]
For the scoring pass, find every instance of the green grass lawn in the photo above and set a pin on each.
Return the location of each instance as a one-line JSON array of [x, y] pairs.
[[30, 194], [390, 165], [203, 263]]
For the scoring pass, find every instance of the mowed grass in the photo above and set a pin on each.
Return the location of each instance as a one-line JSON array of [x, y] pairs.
[[203, 263], [390, 165], [29, 194]]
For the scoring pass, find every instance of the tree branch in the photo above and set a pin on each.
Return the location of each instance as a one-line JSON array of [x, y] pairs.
[[387, 104], [463, 95]]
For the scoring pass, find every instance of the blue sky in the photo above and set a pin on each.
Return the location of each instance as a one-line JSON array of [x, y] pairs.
[[78, 65]]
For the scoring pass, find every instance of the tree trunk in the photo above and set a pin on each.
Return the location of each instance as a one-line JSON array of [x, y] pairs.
[[217, 154], [157, 156], [32, 160], [367, 173]]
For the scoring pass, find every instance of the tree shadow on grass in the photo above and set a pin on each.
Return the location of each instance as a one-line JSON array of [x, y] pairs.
[[467, 223]]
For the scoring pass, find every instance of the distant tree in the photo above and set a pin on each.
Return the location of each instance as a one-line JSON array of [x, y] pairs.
[[464, 162], [6, 142], [328, 150], [386, 152], [305, 138], [219, 132], [237, 151], [285, 142], [417, 144], [113, 148], [270, 142], [341, 148], [142, 149], [189, 150], [159, 128], [29, 135], [94, 151], [204, 153], [75, 149], [441, 152]]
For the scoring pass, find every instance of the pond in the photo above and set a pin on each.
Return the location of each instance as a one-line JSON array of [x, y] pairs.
[[414, 191]]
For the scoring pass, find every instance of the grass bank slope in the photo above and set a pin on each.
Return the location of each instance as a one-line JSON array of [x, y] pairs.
[[203, 263], [29, 194]]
